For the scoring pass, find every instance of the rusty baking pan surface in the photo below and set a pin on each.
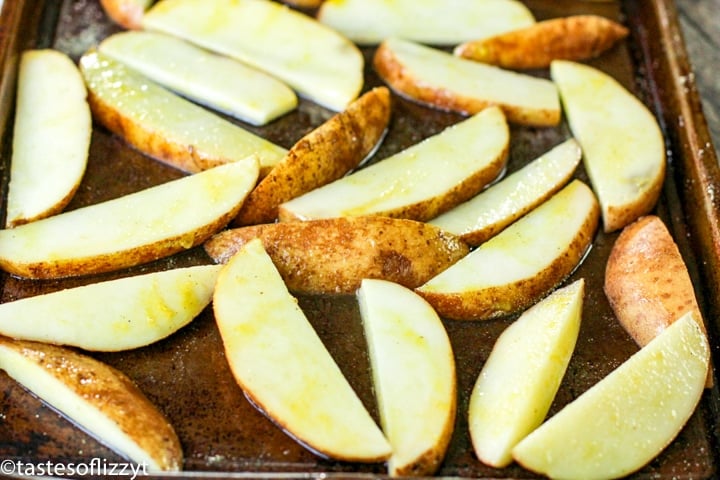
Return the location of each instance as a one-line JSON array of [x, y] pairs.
[[187, 375]]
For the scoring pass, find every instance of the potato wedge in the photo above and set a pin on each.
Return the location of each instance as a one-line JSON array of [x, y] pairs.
[[98, 398], [442, 80], [625, 420], [436, 22], [164, 125], [647, 282], [419, 182], [304, 3], [215, 81], [520, 265], [612, 126], [493, 209], [113, 315], [129, 230], [576, 37], [409, 352], [320, 157], [126, 13], [334, 255], [51, 136], [315, 60], [518, 382], [282, 365]]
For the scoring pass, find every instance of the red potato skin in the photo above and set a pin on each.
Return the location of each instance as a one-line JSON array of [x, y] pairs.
[[577, 37], [126, 13]]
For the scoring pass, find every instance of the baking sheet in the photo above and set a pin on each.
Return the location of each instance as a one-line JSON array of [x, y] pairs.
[[186, 375]]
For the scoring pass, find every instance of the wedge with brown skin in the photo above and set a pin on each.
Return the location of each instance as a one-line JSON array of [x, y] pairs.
[[577, 37], [130, 230], [98, 398], [523, 263], [442, 80], [334, 255], [647, 282], [325, 154], [164, 125], [126, 13]]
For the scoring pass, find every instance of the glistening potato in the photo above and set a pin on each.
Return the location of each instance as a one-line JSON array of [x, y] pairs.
[[334, 255]]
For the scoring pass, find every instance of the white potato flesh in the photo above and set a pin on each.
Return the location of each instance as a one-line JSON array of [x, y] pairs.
[[150, 108], [428, 170], [507, 200], [623, 146], [282, 365], [439, 22], [413, 373], [51, 136], [520, 378], [113, 315], [314, 59], [630, 416], [218, 82], [164, 219], [455, 83], [520, 264]]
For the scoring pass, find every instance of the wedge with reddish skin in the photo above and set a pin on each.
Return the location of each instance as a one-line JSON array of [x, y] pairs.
[[519, 381], [216, 81], [334, 255], [282, 365], [129, 230], [576, 37], [164, 125], [315, 60], [100, 399], [520, 265], [433, 22], [496, 207], [419, 182], [627, 418], [126, 13], [51, 136], [320, 157], [114, 315], [445, 81], [613, 126]]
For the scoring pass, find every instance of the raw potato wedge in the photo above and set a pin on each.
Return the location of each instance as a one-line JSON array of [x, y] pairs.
[[284, 368], [493, 209], [442, 80], [437, 22], [126, 13], [215, 81], [519, 380], [320, 157], [164, 125], [623, 147], [413, 371], [113, 315], [334, 255], [129, 230], [315, 60], [625, 420], [98, 398], [419, 182], [51, 136], [577, 37], [520, 265]]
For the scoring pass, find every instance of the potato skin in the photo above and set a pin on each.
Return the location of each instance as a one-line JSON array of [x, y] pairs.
[[126, 13], [392, 71], [325, 154], [111, 392], [577, 37], [332, 256], [646, 280]]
